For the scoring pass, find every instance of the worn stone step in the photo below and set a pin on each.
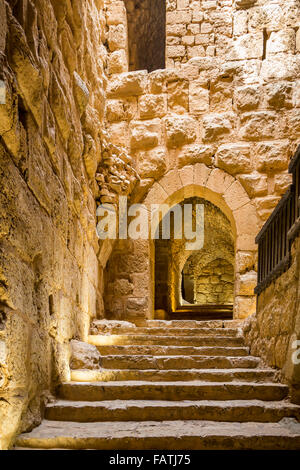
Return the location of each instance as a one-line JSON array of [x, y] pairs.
[[193, 390], [157, 350], [207, 375], [188, 323], [146, 410], [109, 340], [166, 435], [163, 331], [178, 362]]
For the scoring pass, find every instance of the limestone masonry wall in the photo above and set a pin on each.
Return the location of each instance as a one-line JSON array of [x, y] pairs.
[[228, 122], [274, 331], [52, 63]]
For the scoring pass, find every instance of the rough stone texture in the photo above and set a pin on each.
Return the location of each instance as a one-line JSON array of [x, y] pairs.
[[212, 407], [50, 147], [226, 101], [274, 328], [84, 356], [146, 34]]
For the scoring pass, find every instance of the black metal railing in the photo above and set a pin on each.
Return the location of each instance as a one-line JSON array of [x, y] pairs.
[[276, 237]]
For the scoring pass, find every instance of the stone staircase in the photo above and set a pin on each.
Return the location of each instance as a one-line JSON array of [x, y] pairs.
[[177, 385]]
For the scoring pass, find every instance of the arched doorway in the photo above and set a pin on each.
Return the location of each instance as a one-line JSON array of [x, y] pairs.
[[197, 282]]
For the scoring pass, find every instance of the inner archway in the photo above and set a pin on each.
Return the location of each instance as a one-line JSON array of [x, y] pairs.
[[200, 281]]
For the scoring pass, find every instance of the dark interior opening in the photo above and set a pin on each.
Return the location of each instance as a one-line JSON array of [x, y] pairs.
[[146, 34]]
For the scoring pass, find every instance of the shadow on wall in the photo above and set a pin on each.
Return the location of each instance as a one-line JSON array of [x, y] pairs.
[[200, 277], [146, 34]]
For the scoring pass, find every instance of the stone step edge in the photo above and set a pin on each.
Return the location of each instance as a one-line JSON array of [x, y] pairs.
[[275, 404], [173, 434], [193, 383]]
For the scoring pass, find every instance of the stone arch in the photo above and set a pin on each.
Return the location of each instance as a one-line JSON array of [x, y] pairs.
[[216, 186], [227, 193]]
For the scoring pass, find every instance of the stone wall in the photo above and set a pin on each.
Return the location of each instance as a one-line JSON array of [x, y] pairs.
[[226, 121], [52, 63], [214, 283], [273, 332]]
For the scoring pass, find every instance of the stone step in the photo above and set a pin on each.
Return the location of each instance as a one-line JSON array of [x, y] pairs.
[[189, 323], [173, 350], [193, 390], [200, 332], [152, 410], [110, 340], [165, 435], [207, 375], [178, 362]]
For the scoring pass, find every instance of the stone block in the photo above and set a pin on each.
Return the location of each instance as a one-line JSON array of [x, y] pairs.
[[152, 164], [216, 126], [248, 46], [192, 154], [180, 131], [116, 13], [128, 84], [234, 158], [178, 96], [240, 23], [151, 106], [255, 184], [272, 156], [117, 62], [244, 3], [198, 98], [258, 125], [247, 98], [281, 41], [195, 51], [279, 95], [175, 51], [117, 37], [145, 134], [84, 356]]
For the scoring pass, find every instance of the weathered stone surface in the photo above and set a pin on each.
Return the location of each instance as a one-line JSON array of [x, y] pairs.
[[279, 95], [152, 164], [84, 356], [151, 106], [234, 158], [217, 125], [78, 127], [198, 98], [281, 41], [192, 154], [272, 156], [180, 131], [248, 46], [247, 98], [117, 62], [127, 84], [259, 125], [255, 184]]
